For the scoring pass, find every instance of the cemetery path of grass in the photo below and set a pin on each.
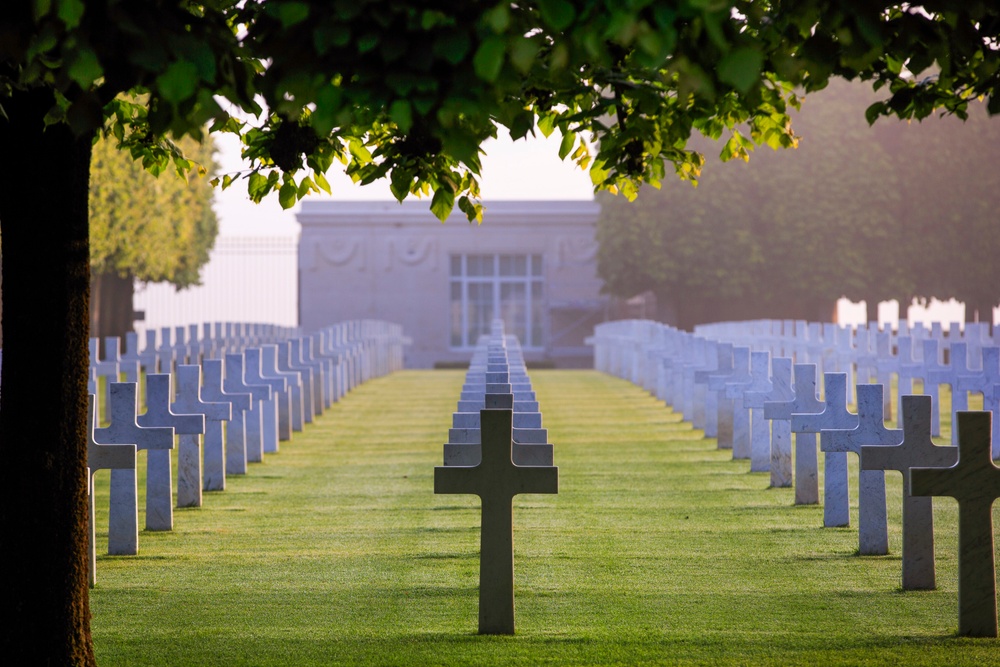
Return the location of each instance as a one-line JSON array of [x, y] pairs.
[[657, 550]]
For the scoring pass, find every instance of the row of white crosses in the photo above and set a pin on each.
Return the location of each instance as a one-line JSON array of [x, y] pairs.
[[497, 449], [227, 401], [754, 402]]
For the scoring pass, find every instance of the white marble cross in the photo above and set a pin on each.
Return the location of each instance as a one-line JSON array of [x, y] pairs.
[[496, 480], [932, 366], [987, 383], [123, 429], [734, 387], [718, 361], [273, 407], [113, 353], [836, 509], [253, 419], [870, 430], [110, 457], [133, 355], [755, 394], [322, 368], [909, 369], [974, 481], [232, 459], [288, 363], [159, 497], [886, 365], [188, 401], [717, 380], [958, 366], [805, 402], [107, 369], [299, 359], [165, 352], [782, 392], [293, 381], [915, 451]]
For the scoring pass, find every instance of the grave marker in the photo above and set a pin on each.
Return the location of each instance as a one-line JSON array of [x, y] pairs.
[[123, 429], [734, 387], [232, 458], [159, 500], [109, 457], [253, 418], [915, 451], [974, 481], [496, 480], [805, 402], [188, 401], [753, 399], [987, 383], [805, 426], [873, 536], [781, 428]]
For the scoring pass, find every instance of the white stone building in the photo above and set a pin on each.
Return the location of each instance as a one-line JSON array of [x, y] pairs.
[[531, 263]]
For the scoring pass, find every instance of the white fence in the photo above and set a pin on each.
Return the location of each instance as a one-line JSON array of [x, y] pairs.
[[247, 279]]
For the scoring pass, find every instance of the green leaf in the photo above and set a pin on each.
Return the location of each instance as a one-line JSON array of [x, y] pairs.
[[546, 124], [443, 202], [498, 18], [566, 145], [399, 183], [472, 210], [70, 12], [305, 187], [557, 13], [257, 186], [402, 115], [321, 181], [287, 195], [740, 68], [290, 13], [359, 151], [598, 173], [489, 58], [452, 47], [178, 82], [523, 53], [85, 69], [41, 8]]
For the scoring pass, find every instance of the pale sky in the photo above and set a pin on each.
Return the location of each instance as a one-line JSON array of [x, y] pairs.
[[526, 169]]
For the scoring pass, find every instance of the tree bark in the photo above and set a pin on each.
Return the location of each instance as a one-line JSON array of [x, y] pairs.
[[111, 312], [44, 177]]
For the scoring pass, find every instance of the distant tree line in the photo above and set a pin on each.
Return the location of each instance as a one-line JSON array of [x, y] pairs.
[[145, 227], [893, 211]]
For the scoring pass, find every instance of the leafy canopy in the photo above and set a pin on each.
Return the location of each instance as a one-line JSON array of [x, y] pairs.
[[153, 228], [409, 91], [851, 213]]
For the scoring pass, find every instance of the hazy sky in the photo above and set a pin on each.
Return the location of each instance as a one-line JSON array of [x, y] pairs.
[[526, 169]]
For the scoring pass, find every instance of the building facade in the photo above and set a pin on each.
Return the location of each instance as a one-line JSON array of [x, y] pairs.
[[530, 263]]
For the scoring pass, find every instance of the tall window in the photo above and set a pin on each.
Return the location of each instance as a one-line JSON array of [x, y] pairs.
[[487, 287]]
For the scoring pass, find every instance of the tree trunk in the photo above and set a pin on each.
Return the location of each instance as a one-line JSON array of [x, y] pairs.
[[43, 402], [111, 311]]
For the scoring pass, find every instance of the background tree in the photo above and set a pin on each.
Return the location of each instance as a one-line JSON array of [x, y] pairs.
[[893, 211], [154, 229], [397, 90]]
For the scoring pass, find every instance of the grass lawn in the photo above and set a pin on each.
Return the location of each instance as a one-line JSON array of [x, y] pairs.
[[658, 550]]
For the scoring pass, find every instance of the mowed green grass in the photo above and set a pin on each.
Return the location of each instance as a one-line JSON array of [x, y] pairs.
[[658, 550]]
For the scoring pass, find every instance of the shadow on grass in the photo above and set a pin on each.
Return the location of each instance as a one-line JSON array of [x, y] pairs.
[[530, 647]]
